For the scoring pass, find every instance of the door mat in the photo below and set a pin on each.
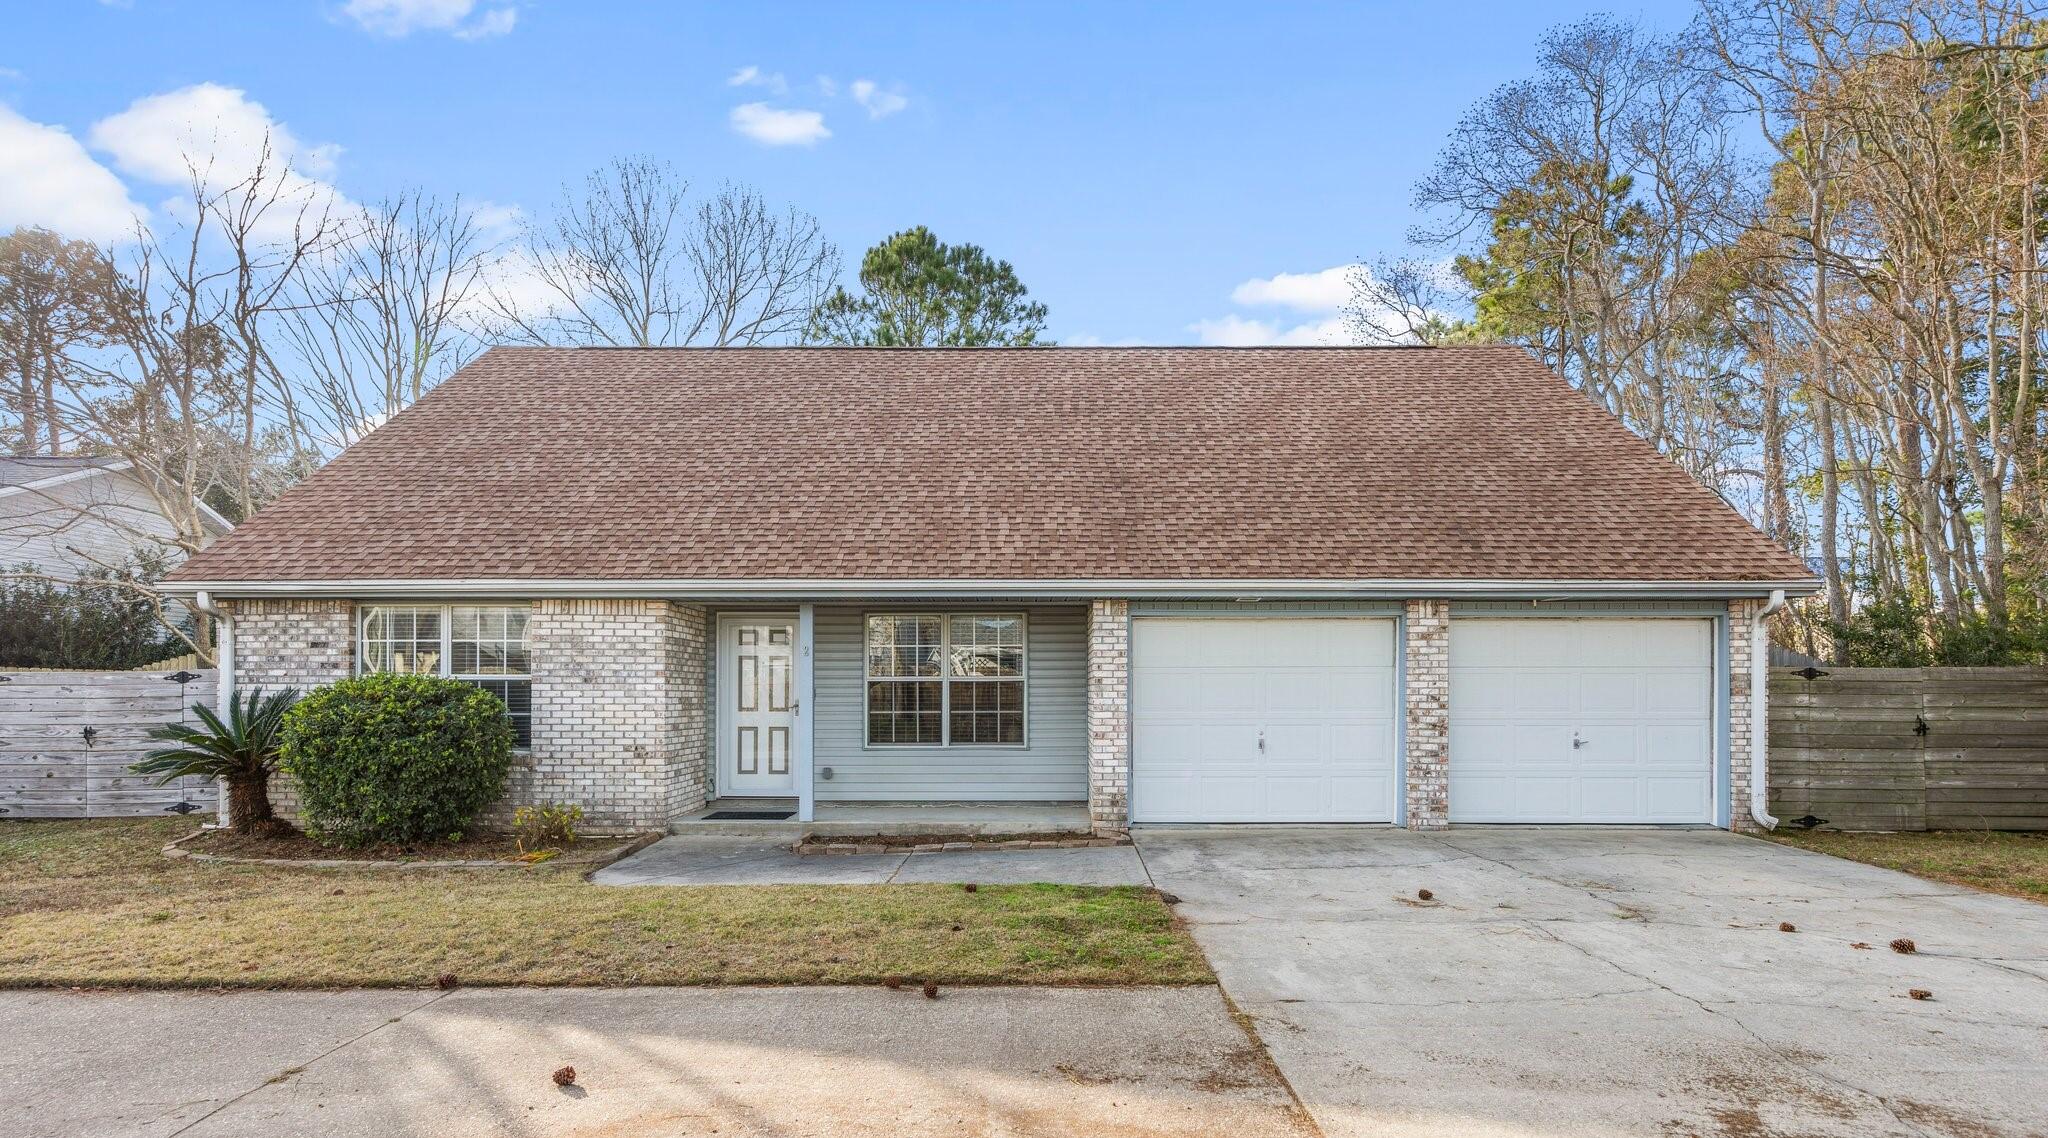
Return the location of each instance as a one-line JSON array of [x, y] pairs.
[[748, 816]]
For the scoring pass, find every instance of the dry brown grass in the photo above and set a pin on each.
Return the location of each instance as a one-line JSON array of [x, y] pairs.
[[96, 904], [2013, 864]]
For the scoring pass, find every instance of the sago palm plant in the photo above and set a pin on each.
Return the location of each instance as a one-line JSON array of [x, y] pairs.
[[241, 752]]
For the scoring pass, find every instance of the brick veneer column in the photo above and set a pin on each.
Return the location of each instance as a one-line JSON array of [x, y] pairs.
[[1109, 715], [1427, 655], [619, 711], [1741, 753], [280, 644]]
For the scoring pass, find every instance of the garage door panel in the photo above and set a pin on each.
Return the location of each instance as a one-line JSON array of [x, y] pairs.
[[1610, 693], [1676, 693], [1487, 691], [1539, 693], [1320, 691], [1293, 692], [1674, 799], [1637, 694]]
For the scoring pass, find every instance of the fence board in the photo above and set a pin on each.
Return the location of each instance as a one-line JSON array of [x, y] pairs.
[[51, 768], [1843, 747]]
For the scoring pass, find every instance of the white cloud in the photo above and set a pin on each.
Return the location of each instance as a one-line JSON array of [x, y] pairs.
[[774, 126], [752, 76], [459, 18], [222, 133], [47, 179], [1326, 291], [1320, 296], [879, 104], [1243, 332], [156, 135], [828, 86]]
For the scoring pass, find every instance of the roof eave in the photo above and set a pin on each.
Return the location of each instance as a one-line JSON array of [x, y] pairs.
[[1050, 589]]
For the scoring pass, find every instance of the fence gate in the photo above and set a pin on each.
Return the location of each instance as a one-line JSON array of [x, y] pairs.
[[67, 739], [1911, 748]]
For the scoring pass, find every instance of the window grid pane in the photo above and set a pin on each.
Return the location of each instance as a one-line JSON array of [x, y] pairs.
[[485, 646], [981, 658]]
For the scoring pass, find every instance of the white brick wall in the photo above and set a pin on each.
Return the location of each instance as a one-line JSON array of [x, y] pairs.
[[1109, 715], [1428, 666], [618, 711], [619, 700], [298, 644]]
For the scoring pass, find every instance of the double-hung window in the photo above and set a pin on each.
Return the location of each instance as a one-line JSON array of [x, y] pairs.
[[483, 645], [945, 679]]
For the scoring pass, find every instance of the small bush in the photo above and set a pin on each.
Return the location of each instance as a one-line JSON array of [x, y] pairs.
[[396, 758], [545, 826]]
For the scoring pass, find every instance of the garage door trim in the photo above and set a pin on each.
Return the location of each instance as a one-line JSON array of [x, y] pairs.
[[1391, 614], [1714, 613]]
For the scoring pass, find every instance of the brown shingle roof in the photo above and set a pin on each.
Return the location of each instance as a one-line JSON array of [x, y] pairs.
[[1070, 463]]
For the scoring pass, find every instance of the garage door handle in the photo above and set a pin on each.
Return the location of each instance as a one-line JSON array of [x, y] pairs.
[[1262, 742], [1576, 741]]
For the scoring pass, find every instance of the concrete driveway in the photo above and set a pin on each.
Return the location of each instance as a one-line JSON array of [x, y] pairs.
[[1605, 982]]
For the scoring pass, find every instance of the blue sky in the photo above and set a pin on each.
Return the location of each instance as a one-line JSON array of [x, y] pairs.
[[1138, 164]]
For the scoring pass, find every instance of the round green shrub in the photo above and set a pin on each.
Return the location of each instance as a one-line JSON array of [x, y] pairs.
[[394, 758]]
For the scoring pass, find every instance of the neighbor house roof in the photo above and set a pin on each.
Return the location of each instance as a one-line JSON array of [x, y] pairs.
[[34, 470], [973, 465]]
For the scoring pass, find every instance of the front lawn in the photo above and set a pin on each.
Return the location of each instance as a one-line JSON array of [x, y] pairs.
[[97, 904], [2013, 864]]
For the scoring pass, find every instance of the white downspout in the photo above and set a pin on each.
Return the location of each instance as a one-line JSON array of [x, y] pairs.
[[224, 657], [1759, 712]]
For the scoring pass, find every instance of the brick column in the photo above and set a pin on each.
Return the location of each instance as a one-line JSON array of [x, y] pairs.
[[1427, 656], [1109, 716], [619, 712], [1741, 748]]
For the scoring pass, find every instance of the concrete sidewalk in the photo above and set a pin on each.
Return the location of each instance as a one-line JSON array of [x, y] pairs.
[[698, 860], [649, 1061]]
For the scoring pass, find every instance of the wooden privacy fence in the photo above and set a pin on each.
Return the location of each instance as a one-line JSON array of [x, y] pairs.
[[1911, 748], [67, 739]]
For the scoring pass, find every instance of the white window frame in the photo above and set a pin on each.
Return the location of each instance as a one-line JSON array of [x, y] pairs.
[[946, 679], [444, 667]]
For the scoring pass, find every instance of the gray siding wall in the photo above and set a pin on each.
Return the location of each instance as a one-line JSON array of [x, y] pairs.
[[1052, 767]]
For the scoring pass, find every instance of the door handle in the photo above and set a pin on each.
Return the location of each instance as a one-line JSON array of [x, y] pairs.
[[1262, 742], [1576, 741]]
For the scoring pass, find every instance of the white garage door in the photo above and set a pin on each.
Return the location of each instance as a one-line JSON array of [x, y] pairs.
[[1256, 720], [1597, 720]]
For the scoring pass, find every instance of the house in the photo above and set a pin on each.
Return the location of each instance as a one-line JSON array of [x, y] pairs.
[[74, 515], [1419, 586]]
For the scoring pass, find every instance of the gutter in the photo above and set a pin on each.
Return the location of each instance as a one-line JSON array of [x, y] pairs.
[[940, 588], [223, 646], [1759, 712], [224, 657]]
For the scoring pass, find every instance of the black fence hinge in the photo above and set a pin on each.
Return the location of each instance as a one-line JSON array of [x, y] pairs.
[[182, 677], [90, 733], [1920, 726], [1810, 672]]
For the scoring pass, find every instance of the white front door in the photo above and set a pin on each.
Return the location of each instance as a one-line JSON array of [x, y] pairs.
[[1238, 719], [1601, 719], [757, 704]]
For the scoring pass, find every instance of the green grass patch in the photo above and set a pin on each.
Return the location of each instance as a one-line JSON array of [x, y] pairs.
[[97, 904], [2009, 863]]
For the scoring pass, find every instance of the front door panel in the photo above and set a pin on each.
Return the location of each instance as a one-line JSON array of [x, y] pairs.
[[758, 706]]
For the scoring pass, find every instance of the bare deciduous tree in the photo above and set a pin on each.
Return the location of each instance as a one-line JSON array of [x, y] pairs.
[[629, 262]]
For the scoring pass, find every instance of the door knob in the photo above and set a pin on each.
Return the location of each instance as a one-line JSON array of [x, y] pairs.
[[1576, 741]]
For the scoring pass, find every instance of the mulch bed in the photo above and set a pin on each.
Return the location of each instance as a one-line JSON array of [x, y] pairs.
[[472, 850], [932, 843]]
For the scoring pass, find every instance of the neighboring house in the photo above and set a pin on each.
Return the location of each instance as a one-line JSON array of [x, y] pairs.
[[74, 515], [1415, 585]]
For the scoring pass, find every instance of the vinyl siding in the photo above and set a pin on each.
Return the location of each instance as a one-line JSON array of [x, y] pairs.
[[76, 526], [1053, 766]]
